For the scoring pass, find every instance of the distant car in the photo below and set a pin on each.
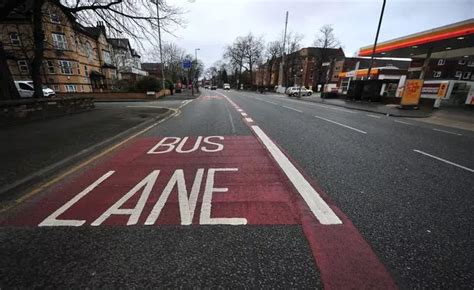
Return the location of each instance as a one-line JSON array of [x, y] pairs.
[[226, 87], [26, 90], [296, 91], [206, 87], [213, 87]]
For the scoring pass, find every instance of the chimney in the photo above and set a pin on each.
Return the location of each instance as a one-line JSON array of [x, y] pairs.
[[101, 25]]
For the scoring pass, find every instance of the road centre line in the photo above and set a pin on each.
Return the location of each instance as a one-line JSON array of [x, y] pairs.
[[317, 205], [270, 102], [345, 126], [373, 116], [244, 114], [444, 160], [401, 122], [290, 108], [448, 132]]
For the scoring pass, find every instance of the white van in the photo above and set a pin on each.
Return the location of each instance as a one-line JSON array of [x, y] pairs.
[[25, 88]]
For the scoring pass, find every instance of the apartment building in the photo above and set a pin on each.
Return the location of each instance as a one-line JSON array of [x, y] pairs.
[[76, 58], [128, 61]]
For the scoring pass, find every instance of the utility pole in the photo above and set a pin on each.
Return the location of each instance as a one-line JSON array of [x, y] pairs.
[[159, 40], [375, 43], [282, 63], [194, 71]]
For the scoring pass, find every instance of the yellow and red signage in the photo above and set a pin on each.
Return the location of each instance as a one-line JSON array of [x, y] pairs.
[[412, 92]]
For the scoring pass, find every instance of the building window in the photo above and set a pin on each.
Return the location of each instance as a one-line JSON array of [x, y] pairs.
[[78, 68], [458, 74], [15, 39], [89, 50], [107, 58], [86, 71], [436, 74], [59, 41], [23, 66], [466, 75], [70, 88], [470, 63], [462, 61], [441, 61], [50, 66], [66, 67], [54, 17]]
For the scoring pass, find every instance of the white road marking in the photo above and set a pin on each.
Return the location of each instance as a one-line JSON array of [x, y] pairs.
[[273, 103], [240, 110], [401, 122], [53, 220], [448, 132], [318, 206], [374, 116], [249, 120], [290, 108], [145, 106], [444, 160], [345, 126], [244, 114], [332, 108]]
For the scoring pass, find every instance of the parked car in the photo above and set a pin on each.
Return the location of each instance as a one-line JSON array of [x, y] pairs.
[[213, 87], [26, 90], [207, 87], [296, 91], [226, 87]]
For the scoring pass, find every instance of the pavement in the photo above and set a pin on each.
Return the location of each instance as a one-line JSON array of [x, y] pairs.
[[249, 190], [47, 146]]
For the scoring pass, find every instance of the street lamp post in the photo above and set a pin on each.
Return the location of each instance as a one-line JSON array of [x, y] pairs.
[[375, 43], [159, 41]]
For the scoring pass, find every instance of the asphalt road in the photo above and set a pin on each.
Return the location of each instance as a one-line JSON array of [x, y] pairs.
[[414, 211]]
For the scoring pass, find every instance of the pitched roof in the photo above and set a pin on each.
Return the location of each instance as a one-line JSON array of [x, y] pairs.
[[120, 43]]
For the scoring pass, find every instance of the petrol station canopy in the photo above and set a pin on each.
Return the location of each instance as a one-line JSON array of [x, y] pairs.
[[451, 41]]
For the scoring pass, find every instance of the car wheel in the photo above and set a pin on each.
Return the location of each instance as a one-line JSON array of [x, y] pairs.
[[309, 94]]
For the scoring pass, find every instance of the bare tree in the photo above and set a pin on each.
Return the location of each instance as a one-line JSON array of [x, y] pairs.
[[293, 42], [135, 19], [326, 38], [235, 54], [273, 50], [254, 48], [173, 56]]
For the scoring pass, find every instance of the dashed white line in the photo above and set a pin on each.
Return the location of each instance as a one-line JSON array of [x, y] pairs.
[[244, 114], [249, 120], [240, 110], [318, 206], [373, 116], [448, 132], [290, 108], [401, 122], [270, 102], [345, 126], [444, 160]]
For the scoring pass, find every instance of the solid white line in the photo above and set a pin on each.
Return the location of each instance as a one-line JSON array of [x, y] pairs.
[[401, 122], [345, 126], [249, 120], [144, 106], [374, 116], [292, 109], [449, 132], [244, 114], [444, 160], [318, 206]]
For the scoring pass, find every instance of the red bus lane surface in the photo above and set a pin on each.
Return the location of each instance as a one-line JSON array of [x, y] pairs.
[[211, 180]]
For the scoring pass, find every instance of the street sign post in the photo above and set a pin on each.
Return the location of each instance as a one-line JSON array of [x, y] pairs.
[[187, 64]]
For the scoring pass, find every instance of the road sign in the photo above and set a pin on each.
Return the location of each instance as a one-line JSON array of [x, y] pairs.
[[187, 64]]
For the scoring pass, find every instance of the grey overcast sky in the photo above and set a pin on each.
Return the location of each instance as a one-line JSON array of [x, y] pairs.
[[212, 24]]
